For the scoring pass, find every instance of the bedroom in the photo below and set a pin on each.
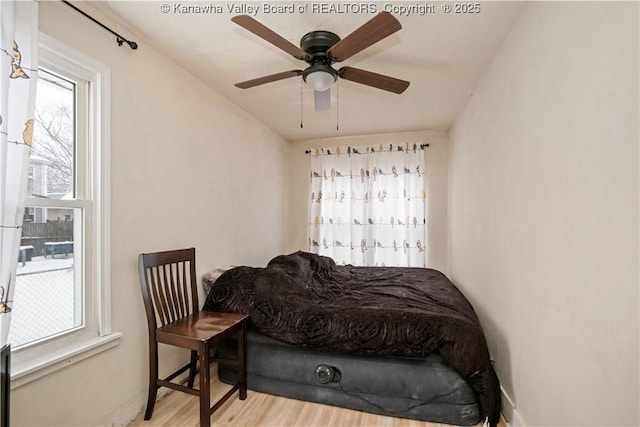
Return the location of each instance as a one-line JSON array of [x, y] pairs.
[[537, 208]]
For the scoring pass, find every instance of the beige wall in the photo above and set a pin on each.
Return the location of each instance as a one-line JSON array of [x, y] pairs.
[[188, 169], [543, 225], [436, 173]]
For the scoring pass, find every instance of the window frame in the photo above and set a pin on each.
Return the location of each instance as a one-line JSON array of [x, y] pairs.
[[32, 361]]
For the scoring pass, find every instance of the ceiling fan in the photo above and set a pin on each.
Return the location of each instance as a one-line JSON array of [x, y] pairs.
[[321, 49]]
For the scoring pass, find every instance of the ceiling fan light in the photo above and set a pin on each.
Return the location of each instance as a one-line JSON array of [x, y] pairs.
[[320, 80]]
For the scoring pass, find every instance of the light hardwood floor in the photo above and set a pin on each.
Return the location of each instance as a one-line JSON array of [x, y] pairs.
[[263, 410]]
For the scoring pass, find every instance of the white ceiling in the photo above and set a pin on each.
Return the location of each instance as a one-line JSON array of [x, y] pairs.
[[442, 55]]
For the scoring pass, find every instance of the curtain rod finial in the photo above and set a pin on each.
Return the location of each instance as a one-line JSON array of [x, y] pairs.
[[132, 45], [119, 39]]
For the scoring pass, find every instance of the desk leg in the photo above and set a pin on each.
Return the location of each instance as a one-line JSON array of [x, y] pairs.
[[205, 387], [242, 360]]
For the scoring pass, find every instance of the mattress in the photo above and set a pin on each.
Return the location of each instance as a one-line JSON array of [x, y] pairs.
[[419, 388], [307, 301]]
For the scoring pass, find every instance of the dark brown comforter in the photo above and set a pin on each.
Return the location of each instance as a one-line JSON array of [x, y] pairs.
[[306, 299]]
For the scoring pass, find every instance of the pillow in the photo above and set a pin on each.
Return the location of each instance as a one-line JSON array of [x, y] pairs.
[[209, 279]]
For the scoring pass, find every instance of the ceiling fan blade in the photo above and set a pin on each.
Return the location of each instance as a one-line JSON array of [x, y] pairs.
[[250, 24], [373, 79], [382, 25], [268, 79], [322, 99]]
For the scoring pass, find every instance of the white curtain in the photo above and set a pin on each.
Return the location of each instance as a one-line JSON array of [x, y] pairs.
[[367, 204], [18, 77]]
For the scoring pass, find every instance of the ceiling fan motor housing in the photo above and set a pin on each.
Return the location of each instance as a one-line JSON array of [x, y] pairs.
[[316, 44]]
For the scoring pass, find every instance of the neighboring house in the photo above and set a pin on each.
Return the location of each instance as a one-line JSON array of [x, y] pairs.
[[38, 187]]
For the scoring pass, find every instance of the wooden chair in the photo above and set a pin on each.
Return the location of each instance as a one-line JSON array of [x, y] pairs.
[[169, 291]]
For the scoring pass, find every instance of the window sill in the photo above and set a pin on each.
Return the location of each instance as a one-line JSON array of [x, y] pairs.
[[24, 370]]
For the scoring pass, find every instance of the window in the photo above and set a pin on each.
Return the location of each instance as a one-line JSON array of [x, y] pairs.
[[61, 299], [367, 204], [53, 264]]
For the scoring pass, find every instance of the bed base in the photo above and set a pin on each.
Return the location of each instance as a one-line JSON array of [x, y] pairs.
[[423, 389]]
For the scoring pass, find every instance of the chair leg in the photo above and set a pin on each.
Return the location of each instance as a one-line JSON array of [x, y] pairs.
[[192, 369], [153, 380], [242, 361], [205, 402]]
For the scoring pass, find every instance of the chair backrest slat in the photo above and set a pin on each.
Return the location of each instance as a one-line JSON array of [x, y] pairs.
[[167, 271], [176, 277], [163, 306], [177, 291], [155, 279], [183, 306], [168, 284]]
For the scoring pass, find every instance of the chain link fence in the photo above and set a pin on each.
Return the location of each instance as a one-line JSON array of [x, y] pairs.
[[43, 304]]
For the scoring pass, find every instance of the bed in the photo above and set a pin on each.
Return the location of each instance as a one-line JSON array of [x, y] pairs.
[[396, 341]]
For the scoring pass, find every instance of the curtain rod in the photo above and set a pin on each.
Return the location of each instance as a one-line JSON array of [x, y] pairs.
[[422, 147], [133, 45]]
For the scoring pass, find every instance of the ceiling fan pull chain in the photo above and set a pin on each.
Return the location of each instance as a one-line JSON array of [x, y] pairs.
[[338, 106], [301, 109]]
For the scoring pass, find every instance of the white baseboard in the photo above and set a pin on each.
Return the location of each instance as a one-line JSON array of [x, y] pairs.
[[509, 410]]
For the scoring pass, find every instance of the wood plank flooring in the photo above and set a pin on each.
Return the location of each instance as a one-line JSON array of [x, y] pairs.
[[263, 410]]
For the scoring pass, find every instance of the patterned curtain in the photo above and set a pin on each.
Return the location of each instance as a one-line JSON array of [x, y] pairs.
[[18, 76], [367, 204]]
